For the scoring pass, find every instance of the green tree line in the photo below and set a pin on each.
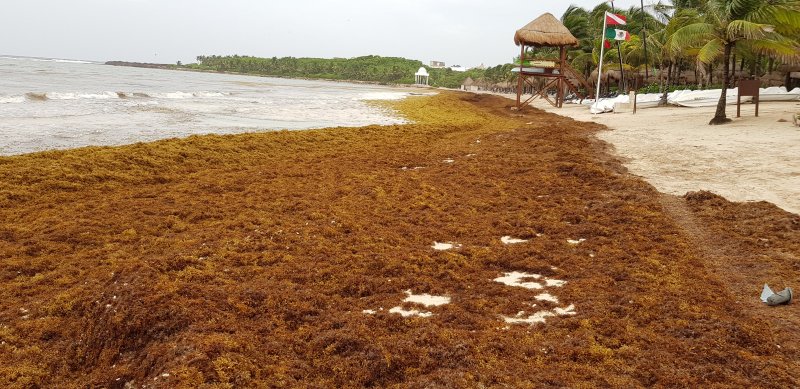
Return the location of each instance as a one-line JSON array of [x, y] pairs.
[[372, 68]]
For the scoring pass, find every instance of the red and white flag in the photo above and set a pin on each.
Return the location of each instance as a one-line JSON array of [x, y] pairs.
[[614, 19]]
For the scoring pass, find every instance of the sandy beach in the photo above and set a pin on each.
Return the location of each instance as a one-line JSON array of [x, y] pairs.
[[475, 246], [750, 159]]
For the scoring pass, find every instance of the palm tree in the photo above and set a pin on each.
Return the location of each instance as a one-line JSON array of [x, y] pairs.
[[760, 23]]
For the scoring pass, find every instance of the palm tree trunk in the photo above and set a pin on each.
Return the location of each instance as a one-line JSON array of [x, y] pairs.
[[710, 74], [719, 116], [666, 84]]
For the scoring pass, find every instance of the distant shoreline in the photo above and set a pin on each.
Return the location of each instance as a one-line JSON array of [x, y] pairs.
[[146, 65]]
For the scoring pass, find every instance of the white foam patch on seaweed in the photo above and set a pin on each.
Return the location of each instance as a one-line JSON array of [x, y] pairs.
[[510, 240], [448, 160], [426, 299], [368, 312], [413, 312], [579, 241]]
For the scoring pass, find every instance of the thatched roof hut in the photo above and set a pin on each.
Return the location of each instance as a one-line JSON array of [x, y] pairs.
[[545, 30], [468, 82]]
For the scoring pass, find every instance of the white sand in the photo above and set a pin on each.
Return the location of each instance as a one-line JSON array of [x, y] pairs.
[[538, 317], [510, 240], [546, 297], [422, 299], [675, 150], [541, 316], [515, 279], [426, 299], [413, 312], [556, 283], [568, 311], [444, 246]]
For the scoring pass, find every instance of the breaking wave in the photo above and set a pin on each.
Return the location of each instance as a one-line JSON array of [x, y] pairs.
[[188, 95], [47, 60], [12, 99], [40, 96]]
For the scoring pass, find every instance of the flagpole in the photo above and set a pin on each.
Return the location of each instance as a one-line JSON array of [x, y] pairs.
[[600, 66], [644, 42], [619, 54]]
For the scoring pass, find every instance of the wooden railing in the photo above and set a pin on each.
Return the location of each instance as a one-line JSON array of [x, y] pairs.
[[571, 76]]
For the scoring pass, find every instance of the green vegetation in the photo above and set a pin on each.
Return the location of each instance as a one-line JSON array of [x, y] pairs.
[[751, 26], [697, 44], [693, 43], [372, 68]]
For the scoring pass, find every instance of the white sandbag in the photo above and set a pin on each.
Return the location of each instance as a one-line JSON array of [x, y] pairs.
[[607, 104], [705, 98], [778, 93]]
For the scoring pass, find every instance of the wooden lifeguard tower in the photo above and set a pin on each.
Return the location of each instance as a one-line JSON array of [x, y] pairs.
[[547, 78]]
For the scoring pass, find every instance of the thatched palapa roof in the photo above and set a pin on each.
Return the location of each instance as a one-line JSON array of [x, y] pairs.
[[545, 30], [468, 82]]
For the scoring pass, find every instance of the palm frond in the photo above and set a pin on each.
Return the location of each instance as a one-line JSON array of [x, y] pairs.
[[742, 29], [712, 50], [688, 36], [738, 9], [785, 49]]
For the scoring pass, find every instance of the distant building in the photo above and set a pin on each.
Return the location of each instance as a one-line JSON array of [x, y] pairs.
[[421, 76], [469, 85], [458, 68], [438, 65]]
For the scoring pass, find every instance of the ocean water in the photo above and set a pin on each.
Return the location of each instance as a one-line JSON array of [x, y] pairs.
[[48, 104]]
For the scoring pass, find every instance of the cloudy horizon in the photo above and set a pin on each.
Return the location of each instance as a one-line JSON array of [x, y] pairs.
[[458, 32]]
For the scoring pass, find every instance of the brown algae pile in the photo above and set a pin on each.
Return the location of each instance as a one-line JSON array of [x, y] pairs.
[[274, 259]]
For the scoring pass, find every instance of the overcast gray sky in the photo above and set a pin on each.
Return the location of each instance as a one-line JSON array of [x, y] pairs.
[[464, 32]]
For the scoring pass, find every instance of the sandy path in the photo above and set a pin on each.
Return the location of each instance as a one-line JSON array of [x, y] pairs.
[[750, 159]]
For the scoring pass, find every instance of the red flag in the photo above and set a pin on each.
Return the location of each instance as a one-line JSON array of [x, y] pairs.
[[614, 19], [606, 43]]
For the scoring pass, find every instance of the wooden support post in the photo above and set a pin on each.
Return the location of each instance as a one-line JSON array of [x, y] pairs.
[[738, 104], [756, 99], [562, 59], [519, 75]]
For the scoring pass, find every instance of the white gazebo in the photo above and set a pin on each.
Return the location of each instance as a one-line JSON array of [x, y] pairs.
[[421, 76]]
